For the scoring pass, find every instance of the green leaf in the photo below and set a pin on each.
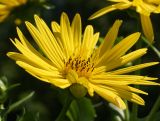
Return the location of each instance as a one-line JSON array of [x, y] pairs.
[[12, 87], [28, 116], [18, 103], [117, 114], [81, 110], [156, 117]]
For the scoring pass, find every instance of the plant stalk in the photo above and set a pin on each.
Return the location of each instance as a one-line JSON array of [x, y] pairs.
[[66, 106], [155, 108]]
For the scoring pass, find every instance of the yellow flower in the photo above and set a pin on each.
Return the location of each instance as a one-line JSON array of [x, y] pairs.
[[6, 7], [72, 60], [143, 7]]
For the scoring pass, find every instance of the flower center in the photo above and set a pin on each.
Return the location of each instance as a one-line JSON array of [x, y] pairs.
[[81, 66]]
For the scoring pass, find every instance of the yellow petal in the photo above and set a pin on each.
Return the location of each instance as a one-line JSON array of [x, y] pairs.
[[61, 83], [133, 68], [38, 71], [126, 95], [109, 9], [66, 34], [55, 27], [112, 80], [133, 55], [30, 55], [110, 37], [32, 50], [89, 42], [143, 7], [118, 50], [47, 48], [49, 39], [20, 57], [76, 28], [110, 96], [147, 27]]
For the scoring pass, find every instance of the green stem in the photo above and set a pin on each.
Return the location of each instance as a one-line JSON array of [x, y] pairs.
[[134, 112], [126, 112], [134, 116], [154, 110], [65, 108], [151, 46]]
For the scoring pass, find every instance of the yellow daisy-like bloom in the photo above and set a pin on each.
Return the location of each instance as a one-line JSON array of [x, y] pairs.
[[6, 7], [143, 7], [72, 60]]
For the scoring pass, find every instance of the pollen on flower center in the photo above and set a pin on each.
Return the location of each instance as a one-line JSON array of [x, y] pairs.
[[81, 66]]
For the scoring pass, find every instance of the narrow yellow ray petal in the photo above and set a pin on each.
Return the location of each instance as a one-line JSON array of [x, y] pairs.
[[49, 39], [29, 54], [118, 50], [133, 55], [55, 27], [99, 70], [133, 68], [109, 96], [143, 7], [9, 3], [2, 7], [109, 82], [20, 57], [130, 89], [153, 1], [32, 50], [126, 95], [24, 50], [157, 9], [110, 8], [93, 43], [125, 59], [40, 40], [147, 27], [60, 43], [76, 28], [66, 35], [89, 42], [102, 12], [87, 39], [50, 77], [108, 76], [3, 17], [61, 83], [124, 81], [125, 1], [117, 77], [110, 37], [141, 82], [123, 46], [39, 72]]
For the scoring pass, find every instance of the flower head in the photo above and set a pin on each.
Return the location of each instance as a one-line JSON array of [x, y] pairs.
[[143, 7], [6, 7], [72, 60]]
